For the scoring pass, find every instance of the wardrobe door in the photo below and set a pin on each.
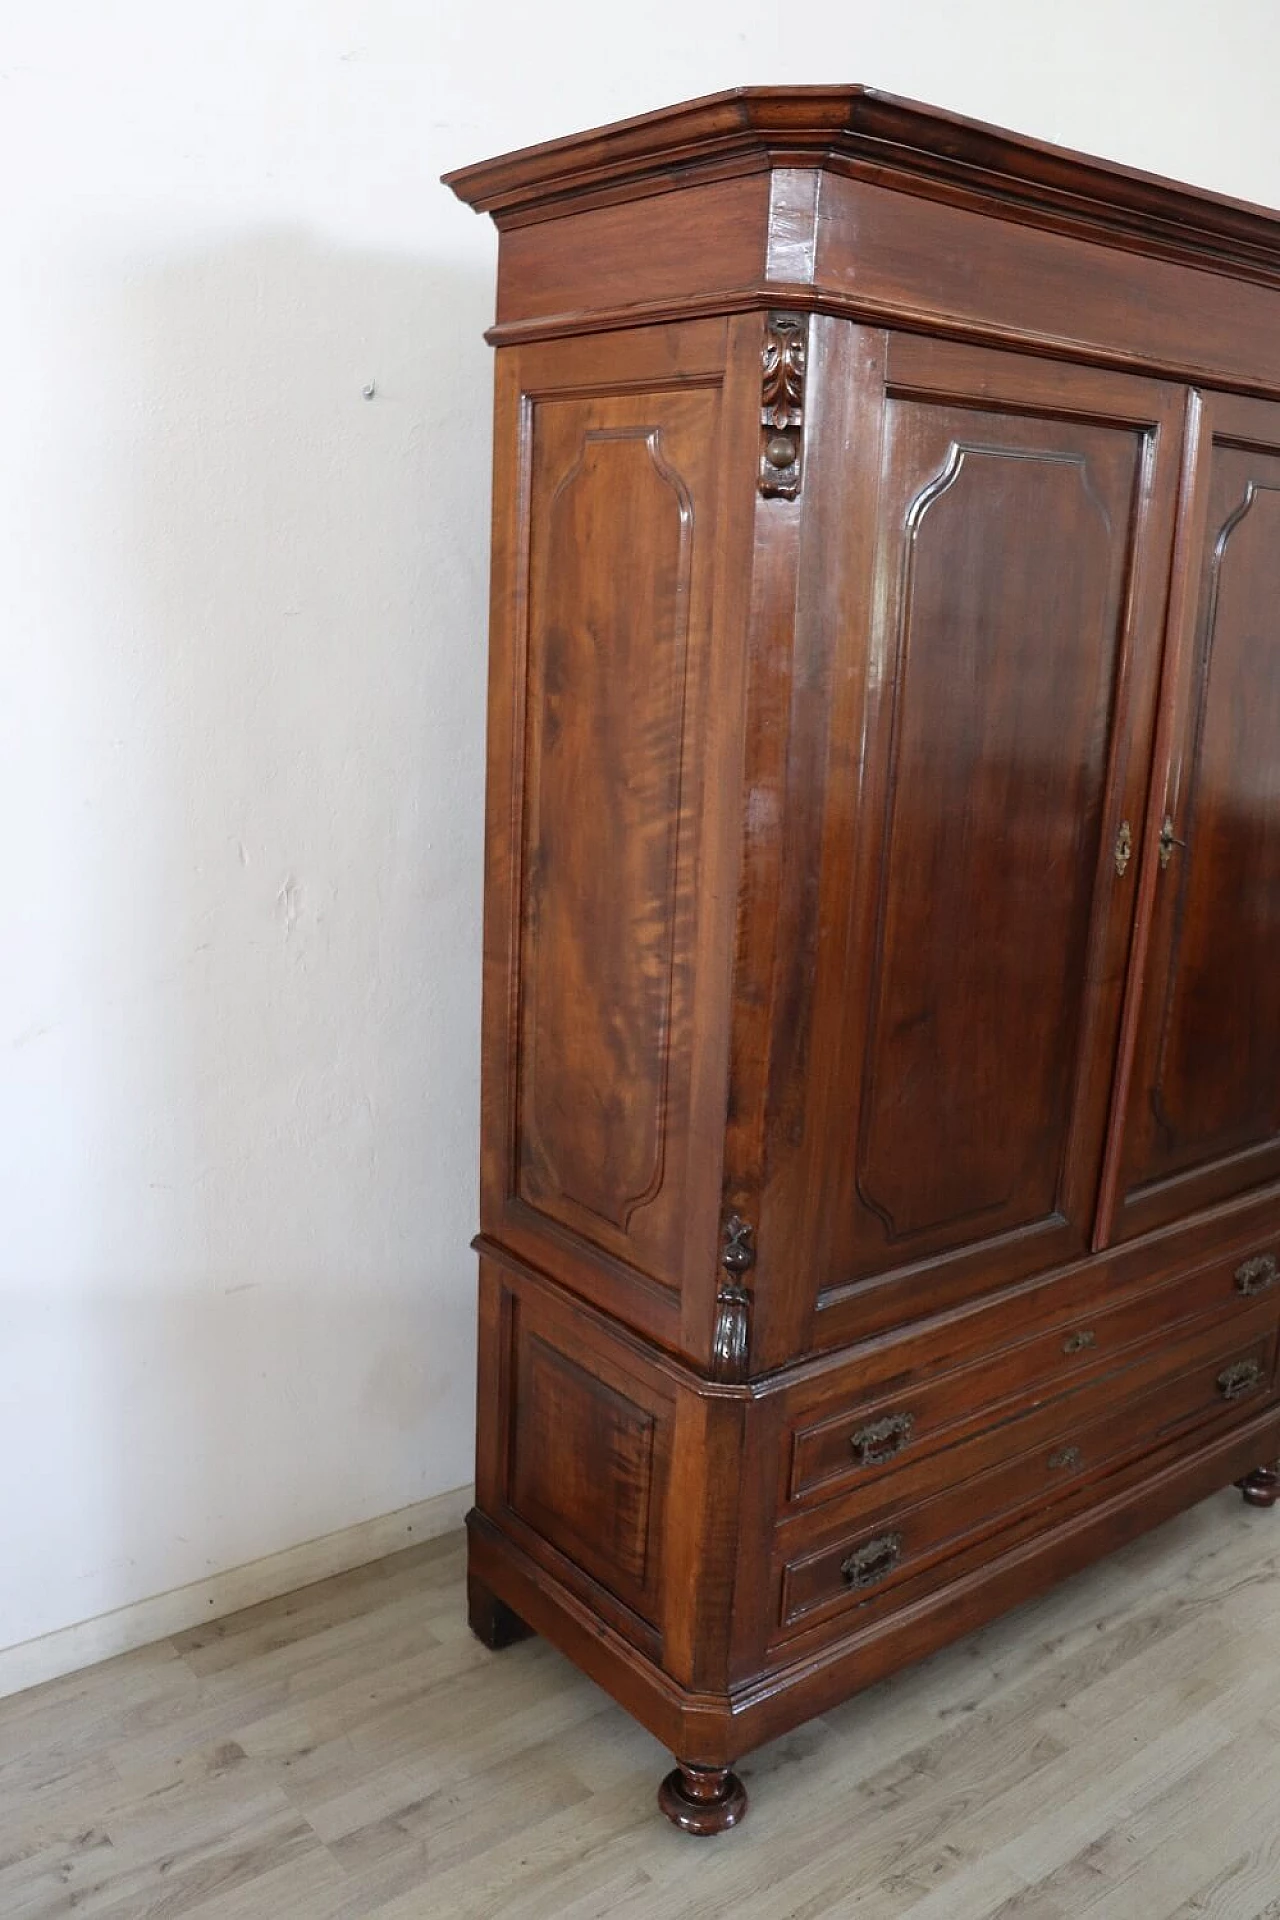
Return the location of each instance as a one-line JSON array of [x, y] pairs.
[[984, 788], [1203, 1113]]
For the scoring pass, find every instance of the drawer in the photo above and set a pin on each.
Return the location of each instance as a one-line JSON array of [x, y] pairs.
[[849, 1554], [844, 1440]]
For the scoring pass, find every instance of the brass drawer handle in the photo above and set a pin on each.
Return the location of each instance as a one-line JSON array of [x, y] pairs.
[[1237, 1380], [1065, 1460], [1256, 1275], [1077, 1342], [873, 1560], [878, 1442]]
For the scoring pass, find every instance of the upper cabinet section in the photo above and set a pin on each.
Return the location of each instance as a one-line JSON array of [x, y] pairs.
[[848, 199]]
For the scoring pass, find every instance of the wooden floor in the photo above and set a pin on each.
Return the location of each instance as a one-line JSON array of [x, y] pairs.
[[1110, 1751]]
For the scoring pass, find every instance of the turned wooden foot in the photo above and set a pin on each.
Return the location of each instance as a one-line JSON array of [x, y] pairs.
[[703, 1799], [490, 1619], [1261, 1488]]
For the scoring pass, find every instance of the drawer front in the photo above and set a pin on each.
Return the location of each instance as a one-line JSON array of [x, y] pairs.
[[920, 1514], [858, 1441]]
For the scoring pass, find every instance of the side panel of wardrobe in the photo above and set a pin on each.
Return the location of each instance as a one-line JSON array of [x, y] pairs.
[[621, 559]]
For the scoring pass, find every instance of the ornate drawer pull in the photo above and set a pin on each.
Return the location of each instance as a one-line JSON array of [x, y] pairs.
[[1065, 1460], [1235, 1381], [1077, 1342], [873, 1560], [1256, 1275], [872, 1445]]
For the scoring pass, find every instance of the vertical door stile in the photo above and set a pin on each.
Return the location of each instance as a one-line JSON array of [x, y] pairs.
[[803, 936], [776, 401]]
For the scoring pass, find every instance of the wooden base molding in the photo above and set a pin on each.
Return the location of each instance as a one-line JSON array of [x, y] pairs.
[[721, 1728], [87, 1642]]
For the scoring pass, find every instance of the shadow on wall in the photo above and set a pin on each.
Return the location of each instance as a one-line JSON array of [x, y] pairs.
[[267, 1299]]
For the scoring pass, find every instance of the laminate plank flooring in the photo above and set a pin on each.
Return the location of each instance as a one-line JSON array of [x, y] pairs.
[[349, 1752]]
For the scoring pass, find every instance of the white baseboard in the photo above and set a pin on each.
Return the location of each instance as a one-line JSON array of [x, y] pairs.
[[83, 1645]]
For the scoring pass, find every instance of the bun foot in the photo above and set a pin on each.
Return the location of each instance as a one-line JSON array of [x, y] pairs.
[[1261, 1488], [703, 1799], [490, 1619]]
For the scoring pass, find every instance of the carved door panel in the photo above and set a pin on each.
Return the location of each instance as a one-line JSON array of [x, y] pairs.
[[983, 786], [608, 934], [1203, 1112]]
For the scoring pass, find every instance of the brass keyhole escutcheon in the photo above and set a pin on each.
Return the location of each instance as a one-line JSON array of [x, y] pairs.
[[1168, 841], [1124, 848]]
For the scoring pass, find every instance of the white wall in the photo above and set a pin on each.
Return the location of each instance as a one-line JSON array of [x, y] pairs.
[[241, 656]]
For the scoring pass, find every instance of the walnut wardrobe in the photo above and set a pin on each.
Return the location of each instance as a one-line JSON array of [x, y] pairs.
[[881, 1107]]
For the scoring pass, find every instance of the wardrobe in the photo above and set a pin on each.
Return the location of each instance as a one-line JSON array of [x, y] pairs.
[[880, 1193]]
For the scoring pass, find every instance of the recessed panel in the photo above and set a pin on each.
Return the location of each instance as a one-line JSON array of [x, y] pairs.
[[584, 1468], [1009, 542], [615, 657]]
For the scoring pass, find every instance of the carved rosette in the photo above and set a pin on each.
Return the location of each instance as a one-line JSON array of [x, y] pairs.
[[729, 1350], [784, 358]]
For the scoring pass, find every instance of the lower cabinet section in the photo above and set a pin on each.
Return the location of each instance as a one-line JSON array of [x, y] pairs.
[[663, 1529]]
